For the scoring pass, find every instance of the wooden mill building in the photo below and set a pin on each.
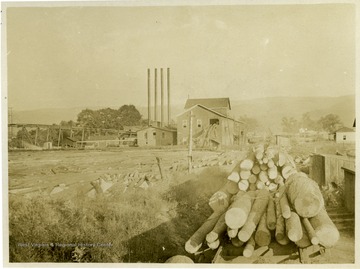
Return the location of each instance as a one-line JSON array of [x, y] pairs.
[[156, 136], [211, 123]]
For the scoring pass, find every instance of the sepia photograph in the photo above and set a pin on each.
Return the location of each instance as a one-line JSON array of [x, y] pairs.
[[194, 133]]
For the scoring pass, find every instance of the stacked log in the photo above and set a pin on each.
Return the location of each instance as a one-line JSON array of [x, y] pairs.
[[256, 213]]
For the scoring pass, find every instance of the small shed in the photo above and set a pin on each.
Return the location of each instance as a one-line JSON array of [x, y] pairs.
[[345, 135], [156, 136]]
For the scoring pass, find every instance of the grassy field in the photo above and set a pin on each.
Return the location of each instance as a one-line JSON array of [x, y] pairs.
[[134, 226], [137, 225]]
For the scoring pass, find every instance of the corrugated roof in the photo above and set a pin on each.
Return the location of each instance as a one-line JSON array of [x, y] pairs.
[[209, 102]]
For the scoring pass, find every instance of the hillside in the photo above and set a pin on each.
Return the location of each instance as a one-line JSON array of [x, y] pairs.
[[268, 111]]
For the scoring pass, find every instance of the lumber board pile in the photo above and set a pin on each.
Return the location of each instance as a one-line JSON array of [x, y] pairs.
[[266, 199], [217, 159]]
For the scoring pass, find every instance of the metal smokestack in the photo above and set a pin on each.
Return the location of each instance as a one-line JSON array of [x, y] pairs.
[[149, 96], [162, 98], [155, 84], [168, 95]]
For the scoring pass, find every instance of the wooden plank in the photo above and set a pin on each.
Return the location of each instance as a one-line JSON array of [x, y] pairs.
[[317, 169]]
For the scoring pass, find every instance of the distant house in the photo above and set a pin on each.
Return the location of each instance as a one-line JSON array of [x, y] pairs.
[[345, 135], [211, 123], [156, 136]]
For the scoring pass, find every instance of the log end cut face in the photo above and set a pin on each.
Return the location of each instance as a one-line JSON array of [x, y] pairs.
[[308, 206]]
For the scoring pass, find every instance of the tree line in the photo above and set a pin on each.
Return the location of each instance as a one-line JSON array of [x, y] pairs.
[[92, 120], [329, 123]]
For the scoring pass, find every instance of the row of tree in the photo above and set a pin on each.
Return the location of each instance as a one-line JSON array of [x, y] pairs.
[[107, 118], [329, 123]]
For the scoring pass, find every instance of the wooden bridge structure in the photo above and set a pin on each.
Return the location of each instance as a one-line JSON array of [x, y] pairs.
[[57, 132]]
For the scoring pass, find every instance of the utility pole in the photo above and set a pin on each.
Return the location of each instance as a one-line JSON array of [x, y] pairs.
[[190, 143]]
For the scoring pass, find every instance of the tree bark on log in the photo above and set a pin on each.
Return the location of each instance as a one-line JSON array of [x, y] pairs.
[[304, 242], [249, 247], [219, 228], [304, 195], [310, 231], [238, 211], [257, 210], [285, 208], [293, 227], [262, 233], [235, 241], [271, 214], [196, 240], [325, 229], [280, 233]]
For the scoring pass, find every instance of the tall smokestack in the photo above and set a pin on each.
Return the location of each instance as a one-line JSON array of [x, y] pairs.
[[162, 97], [168, 95], [155, 84], [149, 96]]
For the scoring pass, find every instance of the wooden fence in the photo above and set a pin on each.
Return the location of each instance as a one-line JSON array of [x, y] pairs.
[[327, 168]]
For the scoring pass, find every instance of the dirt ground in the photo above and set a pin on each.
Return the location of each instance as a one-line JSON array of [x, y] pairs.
[[176, 205]]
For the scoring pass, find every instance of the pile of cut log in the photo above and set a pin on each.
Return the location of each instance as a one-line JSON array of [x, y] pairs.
[[265, 198]]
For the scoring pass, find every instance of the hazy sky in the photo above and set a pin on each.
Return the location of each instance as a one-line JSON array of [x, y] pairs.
[[98, 56]]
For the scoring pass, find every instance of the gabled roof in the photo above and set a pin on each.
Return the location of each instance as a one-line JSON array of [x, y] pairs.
[[210, 110], [344, 130], [209, 102]]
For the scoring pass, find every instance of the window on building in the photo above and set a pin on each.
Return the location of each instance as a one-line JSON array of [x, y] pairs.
[[184, 123], [199, 123], [163, 134], [344, 137], [154, 133], [214, 121]]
